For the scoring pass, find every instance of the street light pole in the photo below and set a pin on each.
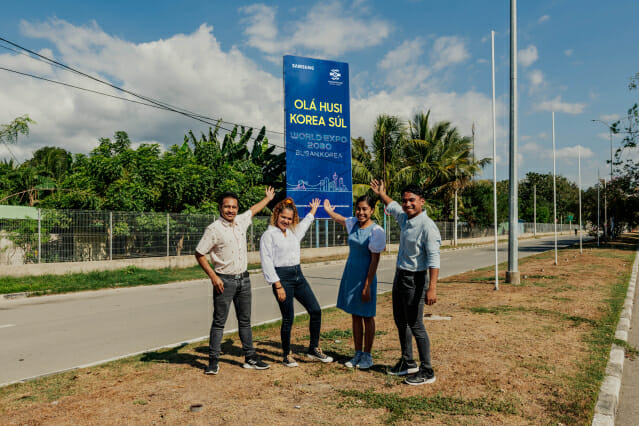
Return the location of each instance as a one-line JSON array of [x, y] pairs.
[[611, 177], [512, 275], [492, 48], [579, 167], [554, 185]]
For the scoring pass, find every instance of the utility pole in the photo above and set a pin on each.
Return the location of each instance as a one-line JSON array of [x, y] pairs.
[[535, 209], [598, 186], [554, 184], [512, 275], [579, 163], [492, 45], [455, 218]]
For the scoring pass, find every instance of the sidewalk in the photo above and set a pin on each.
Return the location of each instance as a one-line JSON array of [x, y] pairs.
[[628, 411]]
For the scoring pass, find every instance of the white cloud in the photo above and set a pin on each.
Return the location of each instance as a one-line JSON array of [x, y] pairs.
[[404, 71], [528, 56], [609, 117], [193, 71], [557, 105], [605, 136], [189, 70], [325, 30], [543, 19], [569, 52], [531, 147], [459, 108], [448, 50], [572, 153], [537, 80], [404, 53]]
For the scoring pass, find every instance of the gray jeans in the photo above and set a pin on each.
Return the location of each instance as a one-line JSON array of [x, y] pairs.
[[409, 289], [237, 291]]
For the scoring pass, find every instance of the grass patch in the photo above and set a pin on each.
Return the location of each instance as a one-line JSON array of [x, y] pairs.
[[401, 408], [631, 351], [506, 309], [127, 277]]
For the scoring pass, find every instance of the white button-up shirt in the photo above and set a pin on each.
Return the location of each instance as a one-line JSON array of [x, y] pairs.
[[279, 249], [226, 243]]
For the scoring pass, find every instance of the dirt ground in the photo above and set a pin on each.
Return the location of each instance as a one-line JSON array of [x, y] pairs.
[[522, 355]]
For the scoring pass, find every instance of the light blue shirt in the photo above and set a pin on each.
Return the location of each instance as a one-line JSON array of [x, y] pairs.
[[419, 240]]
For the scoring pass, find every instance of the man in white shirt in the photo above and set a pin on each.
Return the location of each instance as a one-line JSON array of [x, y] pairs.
[[225, 241]]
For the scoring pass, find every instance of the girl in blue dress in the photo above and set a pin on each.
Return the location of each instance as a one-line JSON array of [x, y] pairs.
[[358, 288]]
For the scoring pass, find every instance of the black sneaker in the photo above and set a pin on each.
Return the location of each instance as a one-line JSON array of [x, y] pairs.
[[403, 368], [423, 376], [317, 354], [256, 364], [213, 368]]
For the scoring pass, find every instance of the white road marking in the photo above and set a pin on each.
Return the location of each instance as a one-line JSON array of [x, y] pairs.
[[7, 325]]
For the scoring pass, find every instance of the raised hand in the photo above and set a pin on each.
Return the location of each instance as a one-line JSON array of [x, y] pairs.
[[378, 187], [327, 206], [314, 204], [269, 193]]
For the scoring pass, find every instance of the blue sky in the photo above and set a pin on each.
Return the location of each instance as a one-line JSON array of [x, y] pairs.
[[224, 59]]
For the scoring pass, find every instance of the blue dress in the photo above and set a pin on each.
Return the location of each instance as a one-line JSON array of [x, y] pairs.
[[349, 298]]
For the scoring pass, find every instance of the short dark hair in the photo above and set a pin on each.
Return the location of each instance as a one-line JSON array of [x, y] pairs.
[[228, 194], [366, 199], [414, 189]]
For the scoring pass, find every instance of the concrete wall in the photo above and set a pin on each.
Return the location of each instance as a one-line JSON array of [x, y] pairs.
[[186, 261]]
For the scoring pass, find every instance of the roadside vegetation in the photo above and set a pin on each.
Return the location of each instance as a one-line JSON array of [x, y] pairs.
[[533, 353]]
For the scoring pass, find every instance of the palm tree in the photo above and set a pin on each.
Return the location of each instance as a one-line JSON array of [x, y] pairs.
[[438, 159], [434, 157]]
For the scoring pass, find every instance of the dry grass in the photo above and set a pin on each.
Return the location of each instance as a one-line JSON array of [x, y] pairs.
[[528, 354]]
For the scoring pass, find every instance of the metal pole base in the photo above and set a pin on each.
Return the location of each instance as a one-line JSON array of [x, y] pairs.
[[512, 277]]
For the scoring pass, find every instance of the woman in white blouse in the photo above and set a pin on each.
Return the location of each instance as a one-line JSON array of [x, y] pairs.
[[280, 256]]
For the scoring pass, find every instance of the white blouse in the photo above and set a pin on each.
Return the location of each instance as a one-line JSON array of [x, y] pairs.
[[278, 249], [377, 240]]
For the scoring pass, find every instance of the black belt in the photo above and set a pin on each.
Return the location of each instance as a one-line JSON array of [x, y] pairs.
[[244, 274], [404, 272]]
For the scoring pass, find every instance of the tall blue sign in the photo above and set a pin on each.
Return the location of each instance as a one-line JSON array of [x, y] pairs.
[[318, 133]]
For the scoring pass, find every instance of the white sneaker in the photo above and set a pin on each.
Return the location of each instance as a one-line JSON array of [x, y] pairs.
[[365, 362], [351, 363], [317, 354], [289, 361]]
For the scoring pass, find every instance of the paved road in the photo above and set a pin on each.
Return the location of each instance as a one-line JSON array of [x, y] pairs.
[[628, 409], [42, 335]]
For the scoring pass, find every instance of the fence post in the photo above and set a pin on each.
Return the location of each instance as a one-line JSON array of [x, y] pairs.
[[167, 235], [39, 236], [326, 230], [333, 233], [110, 235]]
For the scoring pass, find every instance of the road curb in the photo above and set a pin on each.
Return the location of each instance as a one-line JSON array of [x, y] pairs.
[[608, 400]]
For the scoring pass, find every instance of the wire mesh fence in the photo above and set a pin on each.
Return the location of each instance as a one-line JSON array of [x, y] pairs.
[[47, 236]]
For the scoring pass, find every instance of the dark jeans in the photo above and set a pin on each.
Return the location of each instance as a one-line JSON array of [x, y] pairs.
[[296, 287], [237, 291], [409, 289]]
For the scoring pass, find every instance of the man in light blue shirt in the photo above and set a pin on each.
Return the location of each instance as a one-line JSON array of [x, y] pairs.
[[418, 257]]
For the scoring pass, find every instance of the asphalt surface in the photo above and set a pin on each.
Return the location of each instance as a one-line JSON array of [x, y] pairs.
[[48, 334]]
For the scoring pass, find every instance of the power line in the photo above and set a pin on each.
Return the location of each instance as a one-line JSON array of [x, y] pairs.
[[150, 101], [168, 106]]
